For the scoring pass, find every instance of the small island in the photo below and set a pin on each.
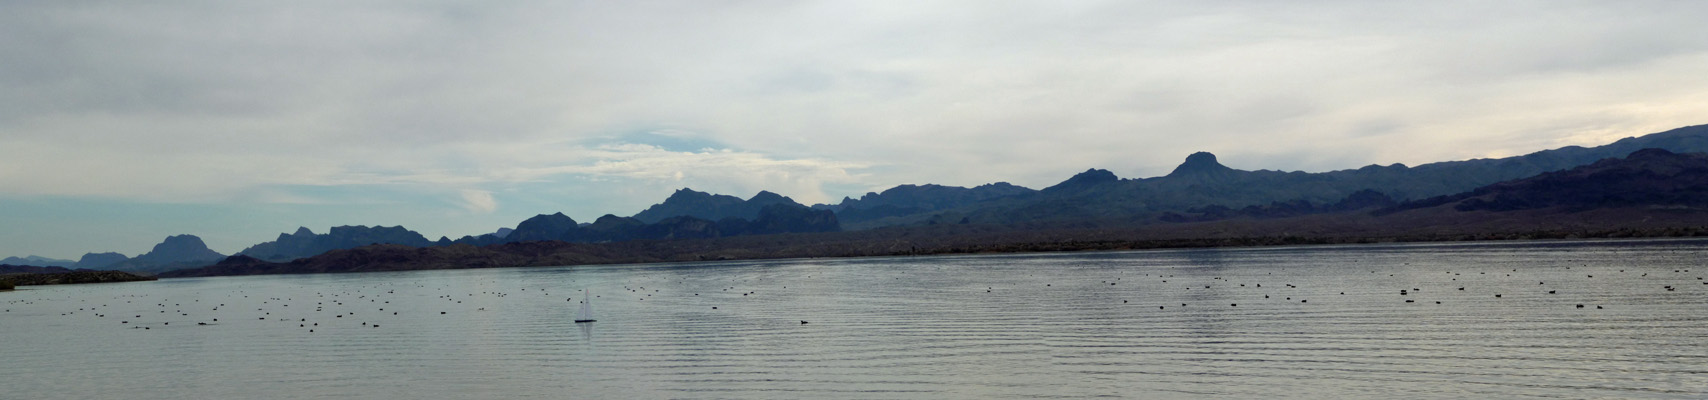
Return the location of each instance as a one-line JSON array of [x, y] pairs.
[[12, 276]]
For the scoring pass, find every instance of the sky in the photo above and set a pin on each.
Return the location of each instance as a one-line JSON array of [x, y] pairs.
[[124, 122]]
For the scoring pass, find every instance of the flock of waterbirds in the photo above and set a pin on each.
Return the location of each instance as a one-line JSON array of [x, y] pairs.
[[370, 307]]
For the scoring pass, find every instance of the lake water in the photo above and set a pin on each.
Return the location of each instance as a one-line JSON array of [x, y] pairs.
[[1301, 322]]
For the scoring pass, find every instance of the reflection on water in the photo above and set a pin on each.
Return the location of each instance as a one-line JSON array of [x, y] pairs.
[[1586, 319]]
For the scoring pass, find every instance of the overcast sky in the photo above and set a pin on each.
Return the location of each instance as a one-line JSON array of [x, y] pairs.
[[124, 122]]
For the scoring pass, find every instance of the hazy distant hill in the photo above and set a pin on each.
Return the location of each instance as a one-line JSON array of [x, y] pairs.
[[99, 260], [8, 268], [37, 261], [304, 243], [711, 207]]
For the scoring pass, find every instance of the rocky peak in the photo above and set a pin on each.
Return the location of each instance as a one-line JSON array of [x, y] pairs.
[[180, 248], [99, 260], [544, 227], [686, 194], [1198, 164], [609, 222], [1083, 180], [766, 197], [1094, 175], [181, 242]]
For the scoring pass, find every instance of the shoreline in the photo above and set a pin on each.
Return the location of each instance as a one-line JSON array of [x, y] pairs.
[[384, 258], [71, 278]]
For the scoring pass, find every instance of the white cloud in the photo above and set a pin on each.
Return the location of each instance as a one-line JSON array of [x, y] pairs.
[[478, 201]]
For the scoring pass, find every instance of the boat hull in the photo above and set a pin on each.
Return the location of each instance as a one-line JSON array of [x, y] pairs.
[[583, 320]]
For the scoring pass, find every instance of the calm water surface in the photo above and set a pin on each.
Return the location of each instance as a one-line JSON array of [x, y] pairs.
[[1311, 322]]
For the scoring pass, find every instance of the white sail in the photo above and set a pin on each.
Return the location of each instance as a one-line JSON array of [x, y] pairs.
[[586, 313]]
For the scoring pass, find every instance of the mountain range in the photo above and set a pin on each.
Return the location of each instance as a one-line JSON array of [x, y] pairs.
[[304, 242], [1650, 193], [1202, 181], [37, 261], [1649, 178], [712, 207], [1199, 192], [178, 251], [771, 214]]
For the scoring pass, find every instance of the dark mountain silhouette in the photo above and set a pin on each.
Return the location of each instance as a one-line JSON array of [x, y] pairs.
[[1200, 163], [99, 260], [181, 251], [1081, 181], [1199, 199], [304, 242], [1360, 200], [1647, 178], [38, 261], [610, 228], [180, 248], [608, 239], [915, 199], [780, 218], [544, 227], [711, 207], [928, 197], [1202, 168], [1202, 183], [1649, 193]]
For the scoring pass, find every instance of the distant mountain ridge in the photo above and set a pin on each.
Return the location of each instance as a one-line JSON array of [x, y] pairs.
[[1650, 193], [928, 196], [1202, 181], [914, 199], [1649, 177], [37, 261], [99, 260], [178, 251], [304, 242], [778, 217], [1199, 189], [711, 207]]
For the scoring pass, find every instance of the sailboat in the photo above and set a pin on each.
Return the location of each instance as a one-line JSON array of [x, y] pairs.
[[586, 313]]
